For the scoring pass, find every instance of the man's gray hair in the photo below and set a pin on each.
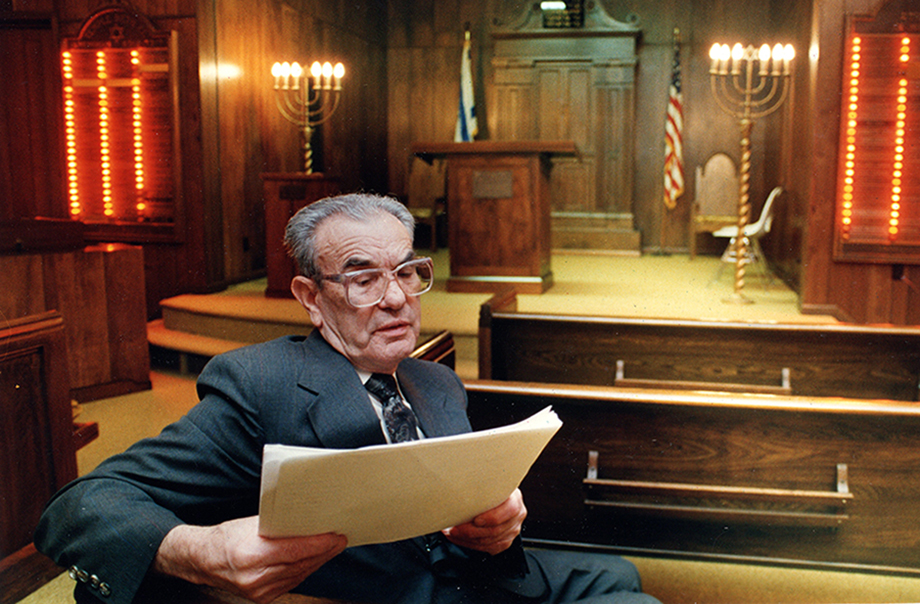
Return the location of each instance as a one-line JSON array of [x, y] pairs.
[[300, 234]]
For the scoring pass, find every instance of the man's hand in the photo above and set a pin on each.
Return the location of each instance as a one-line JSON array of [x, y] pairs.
[[233, 556], [494, 531]]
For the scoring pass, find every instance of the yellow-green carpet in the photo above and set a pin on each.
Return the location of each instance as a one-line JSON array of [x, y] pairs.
[[672, 287]]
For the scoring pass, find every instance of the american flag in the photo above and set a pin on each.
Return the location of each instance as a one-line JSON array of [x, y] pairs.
[[673, 134]]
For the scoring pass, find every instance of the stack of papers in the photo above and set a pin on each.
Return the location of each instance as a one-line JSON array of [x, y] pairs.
[[387, 493]]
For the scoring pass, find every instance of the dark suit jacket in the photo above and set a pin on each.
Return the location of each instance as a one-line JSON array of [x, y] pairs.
[[206, 468]]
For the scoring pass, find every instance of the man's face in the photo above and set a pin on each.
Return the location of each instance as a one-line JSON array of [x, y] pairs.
[[374, 338]]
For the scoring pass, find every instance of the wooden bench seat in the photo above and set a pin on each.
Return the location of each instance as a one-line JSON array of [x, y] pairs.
[[853, 361], [811, 481]]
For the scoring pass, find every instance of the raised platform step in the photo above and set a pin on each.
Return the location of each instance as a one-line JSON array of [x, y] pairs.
[[612, 233], [188, 352], [237, 317], [195, 328], [598, 282], [614, 222], [622, 243]]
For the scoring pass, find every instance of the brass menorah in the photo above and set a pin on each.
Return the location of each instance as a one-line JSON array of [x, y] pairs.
[[748, 83], [307, 99]]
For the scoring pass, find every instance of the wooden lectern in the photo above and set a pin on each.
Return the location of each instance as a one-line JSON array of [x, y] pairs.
[[498, 205], [285, 193]]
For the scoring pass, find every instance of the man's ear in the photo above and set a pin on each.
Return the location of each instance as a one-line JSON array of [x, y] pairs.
[[306, 290]]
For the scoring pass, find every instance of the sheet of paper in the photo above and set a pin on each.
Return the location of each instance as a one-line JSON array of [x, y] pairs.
[[386, 493]]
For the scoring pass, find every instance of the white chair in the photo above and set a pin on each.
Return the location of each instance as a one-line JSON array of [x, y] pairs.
[[752, 234]]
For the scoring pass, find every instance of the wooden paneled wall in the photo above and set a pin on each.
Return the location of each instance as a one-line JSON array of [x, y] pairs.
[[862, 293], [402, 60], [231, 131], [99, 292], [253, 138], [31, 155]]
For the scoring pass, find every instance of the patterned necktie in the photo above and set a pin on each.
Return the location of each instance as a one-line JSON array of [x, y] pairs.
[[399, 419]]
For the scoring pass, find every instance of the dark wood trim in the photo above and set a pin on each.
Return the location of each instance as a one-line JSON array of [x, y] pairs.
[[830, 310], [437, 349], [109, 389], [84, 433], [505, 300], [431, 149], [23, 572], [25, 20]]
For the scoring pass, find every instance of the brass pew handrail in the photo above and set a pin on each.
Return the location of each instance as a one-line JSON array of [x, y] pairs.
[[832, 499]]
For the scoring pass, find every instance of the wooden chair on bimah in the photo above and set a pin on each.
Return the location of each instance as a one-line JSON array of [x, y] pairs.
[[715, 204], [425, 197]]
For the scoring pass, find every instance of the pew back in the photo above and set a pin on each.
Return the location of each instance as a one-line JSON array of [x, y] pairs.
[[439, 348], [854, 361], [818, 482]]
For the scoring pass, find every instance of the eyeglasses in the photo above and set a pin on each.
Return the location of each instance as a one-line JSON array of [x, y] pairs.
[[367, 287]]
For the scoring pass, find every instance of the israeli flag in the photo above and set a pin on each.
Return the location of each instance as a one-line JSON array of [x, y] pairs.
[[466, 116]]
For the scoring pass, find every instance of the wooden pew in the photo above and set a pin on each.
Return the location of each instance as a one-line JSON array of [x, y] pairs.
[[38, 445], [853, 361], [799, 481], [663, 426]]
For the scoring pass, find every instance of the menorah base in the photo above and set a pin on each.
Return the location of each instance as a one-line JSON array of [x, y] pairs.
[[737, 298]]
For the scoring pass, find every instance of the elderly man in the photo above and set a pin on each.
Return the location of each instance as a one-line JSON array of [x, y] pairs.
[[184, 503]]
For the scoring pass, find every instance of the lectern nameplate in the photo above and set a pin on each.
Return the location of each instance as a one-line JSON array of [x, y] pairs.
[[493, 184]]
